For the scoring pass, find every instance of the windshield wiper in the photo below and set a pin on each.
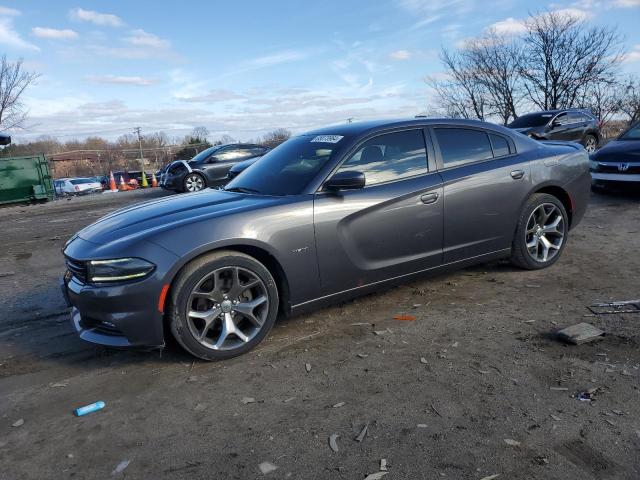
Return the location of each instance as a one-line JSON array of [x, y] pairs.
[[241, 190]]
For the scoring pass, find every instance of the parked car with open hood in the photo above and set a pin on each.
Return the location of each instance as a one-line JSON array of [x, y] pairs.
[[618, 162], [209, 168], [323, 217], [569, 125]]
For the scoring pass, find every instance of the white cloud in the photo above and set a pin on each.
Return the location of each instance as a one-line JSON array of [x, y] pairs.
[[400, 55], [104, 19], [213, 96], [508, 26], [633, 55], [9, 12], [145, 39], [627, 3], [11, 38], [121, 80], [577, 13], [53, 33]]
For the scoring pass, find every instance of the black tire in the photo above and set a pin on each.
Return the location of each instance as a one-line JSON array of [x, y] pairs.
[[189, 278], [590, 142], [194, 179], [520, 255]]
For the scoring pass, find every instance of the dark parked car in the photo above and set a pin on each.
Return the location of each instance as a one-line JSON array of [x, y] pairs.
[[325, 216], [618, 162], [209, 168], [570, 125]]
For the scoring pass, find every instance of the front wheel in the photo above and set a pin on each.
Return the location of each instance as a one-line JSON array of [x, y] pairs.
[[541, 233], [590, 143], [222, 305], [193, 182]]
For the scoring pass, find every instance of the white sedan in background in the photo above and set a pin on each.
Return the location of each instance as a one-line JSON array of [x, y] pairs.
[[76, 186]]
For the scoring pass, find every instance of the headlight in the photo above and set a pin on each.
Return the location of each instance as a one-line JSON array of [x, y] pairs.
[[118, 269]]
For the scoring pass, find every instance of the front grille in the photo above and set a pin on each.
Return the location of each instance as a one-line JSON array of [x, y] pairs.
[[632, 170], [78, 269]]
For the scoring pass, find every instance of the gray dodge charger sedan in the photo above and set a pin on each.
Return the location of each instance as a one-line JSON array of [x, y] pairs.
[[326, 216]]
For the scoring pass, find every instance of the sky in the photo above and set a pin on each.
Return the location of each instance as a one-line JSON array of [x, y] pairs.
[[244, 68]]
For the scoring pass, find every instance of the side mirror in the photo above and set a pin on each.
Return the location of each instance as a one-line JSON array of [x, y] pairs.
[[347, 180]]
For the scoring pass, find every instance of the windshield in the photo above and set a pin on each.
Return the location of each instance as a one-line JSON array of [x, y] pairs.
[[288, 168], [632, 134], [204, 154], [79, 181], [531, 120]]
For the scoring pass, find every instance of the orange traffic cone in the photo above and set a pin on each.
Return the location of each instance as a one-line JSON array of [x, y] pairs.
[[154, 180], [112, 183], [123, 186]]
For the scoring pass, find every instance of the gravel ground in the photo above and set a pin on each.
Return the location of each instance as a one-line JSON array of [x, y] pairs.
[[476, 386]]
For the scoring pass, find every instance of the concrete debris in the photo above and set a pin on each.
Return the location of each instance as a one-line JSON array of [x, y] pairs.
[[512, 443], [267, 467], [121, 466], [580, 333], [200, 407], [362, 355], [18, 423], [559, 389], [287, 400], [422, 425], [423, 360], [363, 433], [556, 418], [333, 444], [339, 404], [58, 385], [383, 464], [6, 274], [491, 477], [246, 400], [375, 476], [307, 367], [626, 373]]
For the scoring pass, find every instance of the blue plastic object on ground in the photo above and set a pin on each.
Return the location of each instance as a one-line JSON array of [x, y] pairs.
[[94, 407]]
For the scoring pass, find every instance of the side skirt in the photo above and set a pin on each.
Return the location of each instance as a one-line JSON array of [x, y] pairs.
[[351, 293]]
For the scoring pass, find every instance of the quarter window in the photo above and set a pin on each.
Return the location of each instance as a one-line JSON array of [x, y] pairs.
[[390, 157], [462, 145], [500, 145]]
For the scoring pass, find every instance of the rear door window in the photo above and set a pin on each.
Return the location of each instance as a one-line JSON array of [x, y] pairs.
[[389, 157], [463, 145], [500, 145]]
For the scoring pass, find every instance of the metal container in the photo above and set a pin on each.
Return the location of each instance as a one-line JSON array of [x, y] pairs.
[[25, 179]]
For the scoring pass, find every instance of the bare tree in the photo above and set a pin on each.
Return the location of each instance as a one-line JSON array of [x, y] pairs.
[[494, 61], [562, 57], [630, 98], [603, 99], [14, 80], [200, 133], [459, 94], [275, 138]]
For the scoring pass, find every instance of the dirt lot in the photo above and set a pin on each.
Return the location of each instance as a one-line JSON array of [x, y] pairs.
[[440, 395]]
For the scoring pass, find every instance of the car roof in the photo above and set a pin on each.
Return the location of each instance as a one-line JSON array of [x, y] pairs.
[[359, 128]]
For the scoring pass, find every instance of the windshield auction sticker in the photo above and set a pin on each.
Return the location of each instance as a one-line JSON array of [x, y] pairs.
[[327, 138]]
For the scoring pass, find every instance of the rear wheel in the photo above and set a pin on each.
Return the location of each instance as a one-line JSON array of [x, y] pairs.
[[194, 182], [590, 143], [541, 233], [223, 305]]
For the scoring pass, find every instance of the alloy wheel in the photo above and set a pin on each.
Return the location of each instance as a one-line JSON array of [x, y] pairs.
[[227, 308], [193, 183], [590, 144], [545, 232]]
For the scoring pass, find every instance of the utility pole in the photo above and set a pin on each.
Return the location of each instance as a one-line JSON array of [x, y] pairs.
[[144, 182]]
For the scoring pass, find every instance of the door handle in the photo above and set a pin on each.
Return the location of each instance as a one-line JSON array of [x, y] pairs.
[[428, 198], [517, 174]]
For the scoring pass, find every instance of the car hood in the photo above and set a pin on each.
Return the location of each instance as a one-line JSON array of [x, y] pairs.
[[619, 151], [144, 220]]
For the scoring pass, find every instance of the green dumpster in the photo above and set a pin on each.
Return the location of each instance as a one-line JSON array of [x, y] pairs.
[[25, 179]]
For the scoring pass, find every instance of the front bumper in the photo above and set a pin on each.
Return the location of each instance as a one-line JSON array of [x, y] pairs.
[[615, 177], [115, 315], [123, 314], [172, 182]]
